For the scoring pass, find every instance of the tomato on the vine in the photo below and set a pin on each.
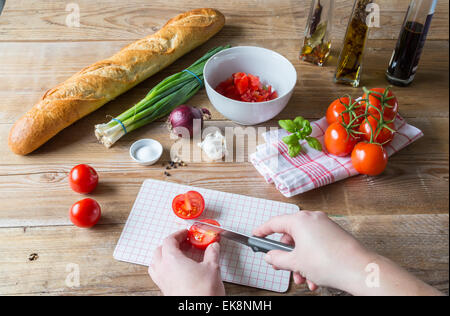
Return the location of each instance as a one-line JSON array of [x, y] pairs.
[[201, 238], [339, 140], [85, 213], [339, 111], [377, 101], [188, 205], [382, 134], [83, 179], [369, 158]]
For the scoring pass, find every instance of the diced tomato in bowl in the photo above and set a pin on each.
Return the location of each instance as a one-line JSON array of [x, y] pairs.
[[246, 88]]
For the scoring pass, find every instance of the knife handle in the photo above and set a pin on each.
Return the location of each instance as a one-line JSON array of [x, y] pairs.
[[265, 245]]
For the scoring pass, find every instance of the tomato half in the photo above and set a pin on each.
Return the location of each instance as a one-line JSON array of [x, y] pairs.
[[200, 238], [85, 213], [338, 140], [83, 179], [369, 159], [188, 205], [375, 103], [337, 107], [382, 135]]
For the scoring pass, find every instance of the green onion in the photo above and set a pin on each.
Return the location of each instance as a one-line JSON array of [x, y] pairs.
[[159, 102]]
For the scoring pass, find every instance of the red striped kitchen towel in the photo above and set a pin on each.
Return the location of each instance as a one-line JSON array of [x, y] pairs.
[[312, 169]]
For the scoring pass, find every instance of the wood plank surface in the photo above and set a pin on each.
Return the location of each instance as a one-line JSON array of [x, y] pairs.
[[418, 243], [402, 214], [34, 20]]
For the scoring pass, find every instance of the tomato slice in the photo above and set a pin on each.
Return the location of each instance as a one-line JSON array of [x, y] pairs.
[[200, 238], [188, 205]]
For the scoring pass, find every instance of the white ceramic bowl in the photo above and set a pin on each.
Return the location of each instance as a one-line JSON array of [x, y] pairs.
[[271, 68], [152, 148]]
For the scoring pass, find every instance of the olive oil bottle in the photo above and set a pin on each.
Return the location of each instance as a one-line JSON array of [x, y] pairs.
[[350, 60], [317, 42]]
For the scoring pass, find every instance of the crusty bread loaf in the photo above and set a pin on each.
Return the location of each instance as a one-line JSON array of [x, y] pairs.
[[103, 81]]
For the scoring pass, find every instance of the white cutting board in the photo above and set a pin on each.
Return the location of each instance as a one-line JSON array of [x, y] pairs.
[[152, 219]]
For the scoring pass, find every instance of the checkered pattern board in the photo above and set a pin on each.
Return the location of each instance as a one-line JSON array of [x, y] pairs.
[[152, 219]]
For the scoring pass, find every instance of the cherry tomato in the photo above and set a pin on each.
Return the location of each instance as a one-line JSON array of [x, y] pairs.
[[200, 238], [83, 179], [340, 105], [382, 135], [370, 159], [391, 108], [188, 205], [338, 140], [85, 213]]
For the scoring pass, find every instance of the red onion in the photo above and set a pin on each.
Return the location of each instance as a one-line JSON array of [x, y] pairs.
[[183, 116]]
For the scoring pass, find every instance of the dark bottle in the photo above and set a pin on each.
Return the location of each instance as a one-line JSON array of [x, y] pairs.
[[405, 58]]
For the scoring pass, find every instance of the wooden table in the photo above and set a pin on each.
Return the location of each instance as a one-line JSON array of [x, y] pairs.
[[402, 214]]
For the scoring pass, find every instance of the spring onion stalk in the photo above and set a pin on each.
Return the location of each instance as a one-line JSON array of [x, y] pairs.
[[159, 102]]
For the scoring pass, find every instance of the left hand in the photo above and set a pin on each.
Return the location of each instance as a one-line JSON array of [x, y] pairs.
[[177, 275]]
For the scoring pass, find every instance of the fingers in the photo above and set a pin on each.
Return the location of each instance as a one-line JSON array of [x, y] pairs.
[[212, 254], [280, 260], [311, 285], [171, 244], [277, 224], [298, 279], [287, 239]]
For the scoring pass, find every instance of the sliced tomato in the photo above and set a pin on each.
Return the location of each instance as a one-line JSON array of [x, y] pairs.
[[200, 238], [188, 205]]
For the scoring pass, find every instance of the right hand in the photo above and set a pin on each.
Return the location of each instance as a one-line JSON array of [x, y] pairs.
[[324, 254]]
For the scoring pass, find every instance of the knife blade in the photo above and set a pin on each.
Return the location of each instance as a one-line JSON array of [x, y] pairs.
[[2, 4], [257, 244]]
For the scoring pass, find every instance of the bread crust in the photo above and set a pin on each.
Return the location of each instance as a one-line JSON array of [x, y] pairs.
[[95, 85]]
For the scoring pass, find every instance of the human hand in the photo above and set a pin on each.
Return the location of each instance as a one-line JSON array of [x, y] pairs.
[[177, 275], [324, 254]]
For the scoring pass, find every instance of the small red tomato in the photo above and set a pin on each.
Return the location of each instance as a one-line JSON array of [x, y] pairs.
[[200, 238], [370, 159], [85, 213], [83, 179], [382, 135], [188, 205], [337, 107], [376, 103], [338, 140]]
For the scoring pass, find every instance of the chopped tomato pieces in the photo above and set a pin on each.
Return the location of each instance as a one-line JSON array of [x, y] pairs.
[[246, 88]]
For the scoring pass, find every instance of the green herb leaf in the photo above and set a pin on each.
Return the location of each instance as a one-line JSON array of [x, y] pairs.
[[291, 139], [299, 121], [288, 125], [314, 143], [294, 150]]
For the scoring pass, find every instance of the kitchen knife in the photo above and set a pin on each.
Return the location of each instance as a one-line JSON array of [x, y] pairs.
[[257, 244], [2, 4]]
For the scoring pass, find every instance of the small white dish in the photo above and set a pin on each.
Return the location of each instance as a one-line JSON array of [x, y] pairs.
[[146, 151], [271, 68]]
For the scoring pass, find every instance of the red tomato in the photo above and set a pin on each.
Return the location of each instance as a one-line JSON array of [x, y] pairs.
[[188, 205], [338, 141], [391, 106], [340, 105], [246, 88], [382, 135], [369, 159], [85, 213], [200, 238], [83, 179]]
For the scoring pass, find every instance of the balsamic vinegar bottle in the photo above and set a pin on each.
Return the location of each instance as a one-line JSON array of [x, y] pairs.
[[405, 58]]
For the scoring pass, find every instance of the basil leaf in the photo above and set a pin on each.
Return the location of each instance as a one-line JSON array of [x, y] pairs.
[[288, 125], [299, 121], [291, 139], [314, 143], [294, 150]]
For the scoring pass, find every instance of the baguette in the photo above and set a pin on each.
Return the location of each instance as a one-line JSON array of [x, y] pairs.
[[103, 81]]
